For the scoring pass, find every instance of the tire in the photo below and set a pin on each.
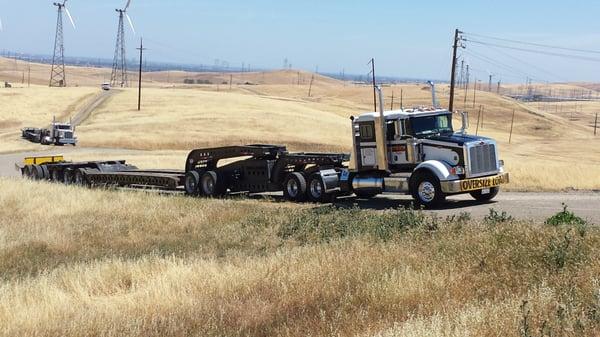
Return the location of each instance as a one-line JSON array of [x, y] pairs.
[[37, 172], [294, 187], [68, 177], [79, 178], [28, 170], [316, 189], [477, 195], [55, 175], [211, 185], [192, 183], [46, 172], [426, 190]]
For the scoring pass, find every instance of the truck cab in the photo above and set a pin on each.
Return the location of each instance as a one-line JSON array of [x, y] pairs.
[[417, 151], [60, 134]]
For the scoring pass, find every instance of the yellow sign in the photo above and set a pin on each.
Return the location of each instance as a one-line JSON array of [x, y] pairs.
[[481, 183]]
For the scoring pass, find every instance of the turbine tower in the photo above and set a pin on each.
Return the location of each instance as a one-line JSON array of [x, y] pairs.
[[58, 76], [119, 71]]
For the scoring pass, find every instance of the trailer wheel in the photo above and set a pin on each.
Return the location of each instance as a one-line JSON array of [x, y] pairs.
[[426, 190], [45, 173], [477, 195], [68, 177], [55, 175], [191, 183], [211, 185], [294, 187], [79, 178], [37, 172], [316, 189]]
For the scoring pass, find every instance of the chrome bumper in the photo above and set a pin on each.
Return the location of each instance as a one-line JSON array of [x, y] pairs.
[[468, 185]]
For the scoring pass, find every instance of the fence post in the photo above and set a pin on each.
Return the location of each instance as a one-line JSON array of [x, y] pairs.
[[595, 123]]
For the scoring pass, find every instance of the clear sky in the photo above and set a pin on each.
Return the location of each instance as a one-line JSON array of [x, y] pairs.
[[406, 38]]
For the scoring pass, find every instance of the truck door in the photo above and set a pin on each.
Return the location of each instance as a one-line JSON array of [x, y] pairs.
[[366, 146], [396, 144]]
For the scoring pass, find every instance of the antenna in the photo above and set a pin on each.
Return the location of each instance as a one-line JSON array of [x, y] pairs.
[[119, 69], [57, 76]]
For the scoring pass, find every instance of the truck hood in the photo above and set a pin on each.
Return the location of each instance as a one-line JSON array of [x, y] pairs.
[[458, 138]]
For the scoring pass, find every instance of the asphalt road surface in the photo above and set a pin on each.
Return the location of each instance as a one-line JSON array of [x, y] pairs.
[[520, 205]]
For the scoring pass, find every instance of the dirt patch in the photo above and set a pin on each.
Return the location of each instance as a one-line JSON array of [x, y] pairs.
[[9, 123]]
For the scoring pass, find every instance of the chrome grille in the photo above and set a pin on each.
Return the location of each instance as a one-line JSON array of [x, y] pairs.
[[68, 135], [483, 159]]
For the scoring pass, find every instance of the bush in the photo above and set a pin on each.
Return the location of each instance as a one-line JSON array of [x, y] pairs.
[[565, 217], [494, 218], [328, 223]]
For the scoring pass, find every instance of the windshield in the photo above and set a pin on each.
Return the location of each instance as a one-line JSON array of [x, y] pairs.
[[64, 127], [430, 125]]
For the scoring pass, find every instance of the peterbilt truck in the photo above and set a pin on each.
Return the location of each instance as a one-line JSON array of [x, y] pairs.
[[417, 151], [412, 151], [58, 134]]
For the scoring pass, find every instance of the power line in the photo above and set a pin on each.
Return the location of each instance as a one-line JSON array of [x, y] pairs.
[[579, 57], [536, 44]]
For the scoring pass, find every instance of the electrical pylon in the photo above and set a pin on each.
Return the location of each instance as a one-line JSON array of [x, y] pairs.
[[119, 71], [58, 76]]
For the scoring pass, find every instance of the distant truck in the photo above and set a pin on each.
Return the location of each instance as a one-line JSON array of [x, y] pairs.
[[58, 134]]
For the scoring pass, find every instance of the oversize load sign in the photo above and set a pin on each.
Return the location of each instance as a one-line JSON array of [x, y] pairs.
[[481, 183]]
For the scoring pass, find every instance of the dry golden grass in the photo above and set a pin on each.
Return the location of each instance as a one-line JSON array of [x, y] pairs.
[[118, 263]]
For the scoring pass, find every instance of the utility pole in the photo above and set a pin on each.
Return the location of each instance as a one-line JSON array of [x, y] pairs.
[[490, 84], [392, 104], [467, 80], [141, 49], [462, 72], [29, 74], [312, 78], [372, 62], [498, 88], [474, 90], [596, 124], [402, 99], [511, 127], [453, 74], [230, 80]]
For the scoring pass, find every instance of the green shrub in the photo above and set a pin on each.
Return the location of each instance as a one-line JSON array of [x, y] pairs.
[[494, 218], [565, 217]]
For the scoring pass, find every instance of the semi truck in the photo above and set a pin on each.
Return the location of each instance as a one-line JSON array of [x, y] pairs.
[[58, 134], [407, 151]]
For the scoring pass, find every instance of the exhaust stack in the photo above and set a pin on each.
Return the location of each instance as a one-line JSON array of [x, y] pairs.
[[433, 98]]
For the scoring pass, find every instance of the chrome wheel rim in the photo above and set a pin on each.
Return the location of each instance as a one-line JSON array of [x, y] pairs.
[[315, 188], [426, 191], [292, 188]]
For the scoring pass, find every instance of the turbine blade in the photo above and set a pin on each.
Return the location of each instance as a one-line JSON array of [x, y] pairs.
[[130, 23], [70, 17], [127, 5]]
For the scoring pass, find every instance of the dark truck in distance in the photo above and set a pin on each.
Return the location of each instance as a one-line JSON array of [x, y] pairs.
[[58, 134]]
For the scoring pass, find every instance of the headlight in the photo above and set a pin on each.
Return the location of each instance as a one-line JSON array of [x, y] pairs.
[[457, 170]]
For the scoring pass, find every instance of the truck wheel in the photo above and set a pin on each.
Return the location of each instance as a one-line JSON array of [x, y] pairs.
[[426, 190], [477, 195], [294, 187], [316, 189], [211, 185], [191, 182]]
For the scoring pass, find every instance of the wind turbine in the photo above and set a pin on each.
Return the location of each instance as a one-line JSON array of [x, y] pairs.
[[119, 71], [58, 76]]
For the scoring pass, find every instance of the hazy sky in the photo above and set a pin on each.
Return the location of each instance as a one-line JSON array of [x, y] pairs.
[[407, 38]]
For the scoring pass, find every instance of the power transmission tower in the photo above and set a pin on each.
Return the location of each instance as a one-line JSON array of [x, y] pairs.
[[58, 76], [119, 71]]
